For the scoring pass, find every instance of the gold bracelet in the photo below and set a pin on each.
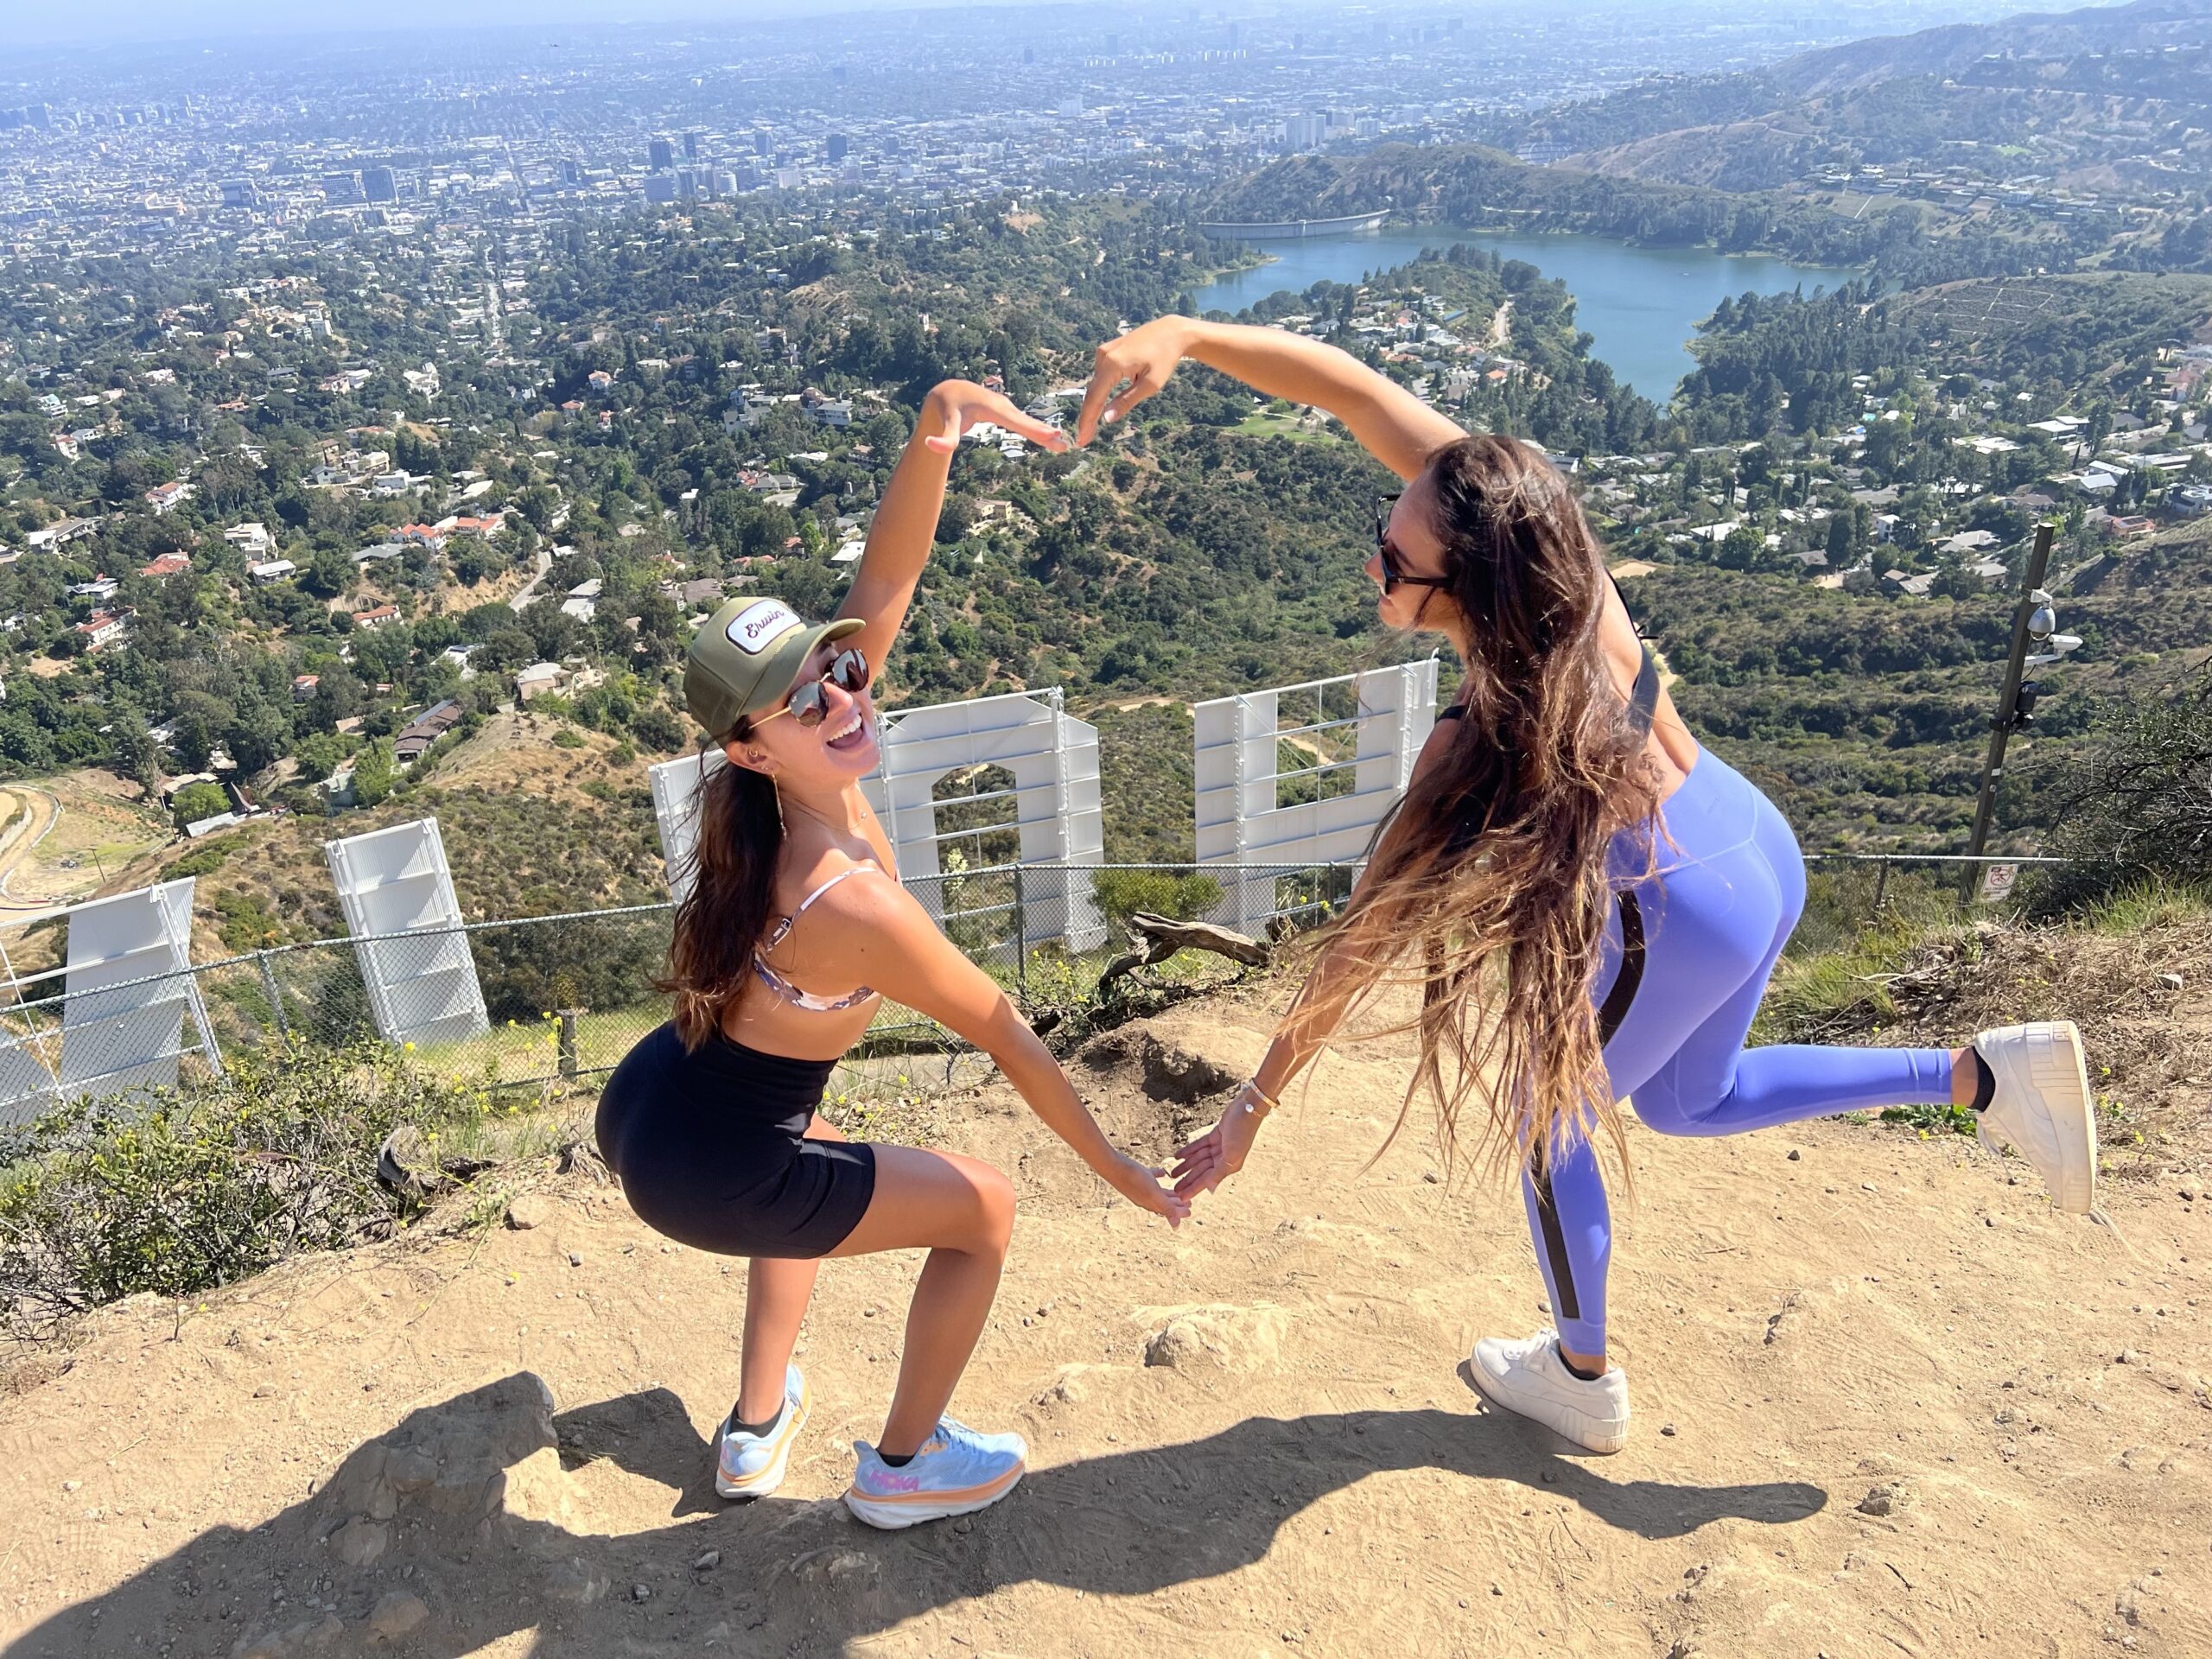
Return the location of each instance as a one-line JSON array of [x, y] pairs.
[[1268, 1101]]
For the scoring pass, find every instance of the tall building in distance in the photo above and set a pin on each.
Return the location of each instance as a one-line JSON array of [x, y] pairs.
[[692, 142], [377, 184], [660, 187], [663, 155], [840, 147]]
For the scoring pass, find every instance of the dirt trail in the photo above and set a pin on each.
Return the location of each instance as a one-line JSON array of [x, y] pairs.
[[1887, 1403], [20, 842]]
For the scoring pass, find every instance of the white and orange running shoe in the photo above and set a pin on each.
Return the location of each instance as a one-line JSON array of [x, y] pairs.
[[957, 1471], [752, 1465]]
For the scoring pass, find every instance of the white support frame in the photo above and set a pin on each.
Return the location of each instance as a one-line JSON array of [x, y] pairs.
[[676, 785], [397, 882], [1235, 771], [1054, 758], [126, 991]]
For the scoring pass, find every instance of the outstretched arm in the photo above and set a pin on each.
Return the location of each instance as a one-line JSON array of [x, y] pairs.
[[1315, 1014], [1391, 424], [876, 930], [905, 527]]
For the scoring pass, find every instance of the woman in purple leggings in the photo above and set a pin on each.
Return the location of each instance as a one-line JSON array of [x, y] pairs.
[[1590, 901]]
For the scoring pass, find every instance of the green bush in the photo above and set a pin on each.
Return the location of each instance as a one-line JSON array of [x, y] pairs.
[[1122, 894], [177, 1191], [197, 801], [204, 859]]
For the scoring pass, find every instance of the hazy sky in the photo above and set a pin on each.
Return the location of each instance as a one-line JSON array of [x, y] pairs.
[[29, 23], [23, 23]]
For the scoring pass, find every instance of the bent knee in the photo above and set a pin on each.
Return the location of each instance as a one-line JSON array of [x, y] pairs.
[[990, 1203], [1667, 1110]]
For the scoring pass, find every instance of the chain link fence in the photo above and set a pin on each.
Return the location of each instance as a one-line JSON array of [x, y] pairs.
[[558, 1000]]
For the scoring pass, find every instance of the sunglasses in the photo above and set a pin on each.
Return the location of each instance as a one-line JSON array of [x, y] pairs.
[[808, 703], [1393, 574]]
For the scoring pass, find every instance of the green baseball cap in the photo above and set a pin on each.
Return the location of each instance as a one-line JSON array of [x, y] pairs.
[[748, 656]]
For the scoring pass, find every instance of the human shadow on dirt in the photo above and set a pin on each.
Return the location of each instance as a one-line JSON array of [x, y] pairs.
[[465, 1506]]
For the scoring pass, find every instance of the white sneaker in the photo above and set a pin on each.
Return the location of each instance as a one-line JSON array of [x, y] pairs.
[[2042, 1108], [752, 1465], [1528, 1377]]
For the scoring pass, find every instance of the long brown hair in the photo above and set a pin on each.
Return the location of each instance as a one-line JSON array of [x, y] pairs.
[[1487, 885], [724, 913]]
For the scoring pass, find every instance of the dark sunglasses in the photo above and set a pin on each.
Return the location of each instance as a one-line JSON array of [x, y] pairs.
[[808, 703], [1393, 576]]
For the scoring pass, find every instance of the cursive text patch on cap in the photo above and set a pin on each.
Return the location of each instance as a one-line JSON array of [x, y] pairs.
[[756, 627]]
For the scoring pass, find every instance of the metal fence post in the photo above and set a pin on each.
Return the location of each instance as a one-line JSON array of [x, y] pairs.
[[567, 1067], [275, 996], [1020, 934], [1881, 885]]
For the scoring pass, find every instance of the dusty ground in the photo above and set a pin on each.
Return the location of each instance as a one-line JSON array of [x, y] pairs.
[[1886, 1402]]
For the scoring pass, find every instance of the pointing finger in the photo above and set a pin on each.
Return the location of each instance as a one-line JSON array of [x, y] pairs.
[[1140, 389], [1105, 375]]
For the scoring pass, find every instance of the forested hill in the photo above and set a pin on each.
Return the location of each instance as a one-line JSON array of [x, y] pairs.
[[2086, 136], [2145, 26]]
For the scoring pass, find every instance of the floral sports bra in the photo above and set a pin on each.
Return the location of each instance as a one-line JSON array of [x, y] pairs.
[[782, 988]]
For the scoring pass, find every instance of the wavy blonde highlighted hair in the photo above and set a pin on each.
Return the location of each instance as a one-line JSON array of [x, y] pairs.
[[1488, 884]]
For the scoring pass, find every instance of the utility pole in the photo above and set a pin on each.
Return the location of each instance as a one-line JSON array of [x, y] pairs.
[[2009, 717]]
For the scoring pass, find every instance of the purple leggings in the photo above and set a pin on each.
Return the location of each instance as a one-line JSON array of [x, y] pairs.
[[1714, 917]]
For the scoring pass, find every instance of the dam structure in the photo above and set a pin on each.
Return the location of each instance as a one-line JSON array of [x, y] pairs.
[[1273, 230]]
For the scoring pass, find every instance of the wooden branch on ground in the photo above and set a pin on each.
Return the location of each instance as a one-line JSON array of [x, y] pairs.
[[1154, 939]]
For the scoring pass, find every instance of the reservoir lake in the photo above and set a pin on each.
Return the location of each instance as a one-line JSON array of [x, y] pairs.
[[1639, 304]]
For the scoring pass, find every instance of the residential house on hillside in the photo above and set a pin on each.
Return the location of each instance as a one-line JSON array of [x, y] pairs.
[[272, 570], [104, 628], [251, 539], [166, 498], [425, 729], [60, 534], [168, 564], [376, 616], [540, 678]]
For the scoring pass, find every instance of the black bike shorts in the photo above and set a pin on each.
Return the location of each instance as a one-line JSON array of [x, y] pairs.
[[712, 1150]]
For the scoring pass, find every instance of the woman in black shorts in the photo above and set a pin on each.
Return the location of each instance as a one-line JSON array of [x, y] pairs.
[[793, 928]]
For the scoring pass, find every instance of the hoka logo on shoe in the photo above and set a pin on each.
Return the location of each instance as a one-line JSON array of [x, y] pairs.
[[890, 1480]]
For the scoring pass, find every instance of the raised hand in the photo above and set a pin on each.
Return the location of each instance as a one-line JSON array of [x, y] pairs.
[[1142, 360], [954, 406]]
